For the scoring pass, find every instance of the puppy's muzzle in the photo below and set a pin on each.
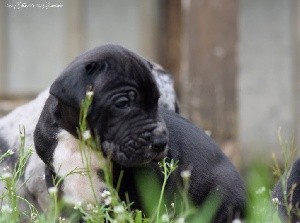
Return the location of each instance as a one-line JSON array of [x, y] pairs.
[[160, 138]]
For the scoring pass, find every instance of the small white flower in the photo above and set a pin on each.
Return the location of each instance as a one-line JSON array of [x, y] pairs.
[[260, 190], [86, 135], [172, 205], [107, 201], [186, 174], [77, 205], [171, 165], [7, 175], [52, 190], [105, 193], [236, 221], [61, 219], [119, 209], [165, 218], [90, 207], [89, 94], [275, 200]]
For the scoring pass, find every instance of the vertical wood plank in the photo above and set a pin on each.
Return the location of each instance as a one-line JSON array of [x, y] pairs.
[[75, 31], [169, 44], [209, 66], [150, 19]]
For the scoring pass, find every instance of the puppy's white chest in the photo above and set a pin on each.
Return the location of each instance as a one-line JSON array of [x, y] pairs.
[[78, 169]]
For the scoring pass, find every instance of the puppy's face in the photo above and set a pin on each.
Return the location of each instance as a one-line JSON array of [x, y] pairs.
[[124, 111]]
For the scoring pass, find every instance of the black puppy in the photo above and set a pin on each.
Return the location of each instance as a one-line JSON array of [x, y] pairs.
[[28, 114], [292, 192], [124, 114], [132, 130], [211, 172]]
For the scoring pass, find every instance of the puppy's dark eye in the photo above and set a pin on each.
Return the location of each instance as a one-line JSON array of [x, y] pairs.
[[122, 103]]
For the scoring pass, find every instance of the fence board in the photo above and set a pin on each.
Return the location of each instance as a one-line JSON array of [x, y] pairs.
[[209, 66]]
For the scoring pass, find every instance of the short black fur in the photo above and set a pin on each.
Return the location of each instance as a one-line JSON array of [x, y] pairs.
[[211, 170]]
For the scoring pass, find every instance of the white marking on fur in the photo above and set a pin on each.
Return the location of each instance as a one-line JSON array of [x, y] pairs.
[[66, 158], [166, 87], [34, 178], [26, 115]]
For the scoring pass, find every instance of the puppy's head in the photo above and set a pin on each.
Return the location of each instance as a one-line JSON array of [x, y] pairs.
[[124, 111]]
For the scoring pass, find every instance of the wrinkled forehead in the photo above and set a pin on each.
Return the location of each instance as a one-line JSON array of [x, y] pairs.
[[122, 67], [113, 83], [118, 61]]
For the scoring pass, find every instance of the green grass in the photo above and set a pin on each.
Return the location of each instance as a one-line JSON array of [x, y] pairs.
[[258, 180]]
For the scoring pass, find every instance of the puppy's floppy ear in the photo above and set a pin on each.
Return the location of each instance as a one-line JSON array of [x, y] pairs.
[[70, 88]]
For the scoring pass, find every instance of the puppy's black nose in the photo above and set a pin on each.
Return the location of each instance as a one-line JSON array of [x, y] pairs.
[[159, 143], [160, 137]]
